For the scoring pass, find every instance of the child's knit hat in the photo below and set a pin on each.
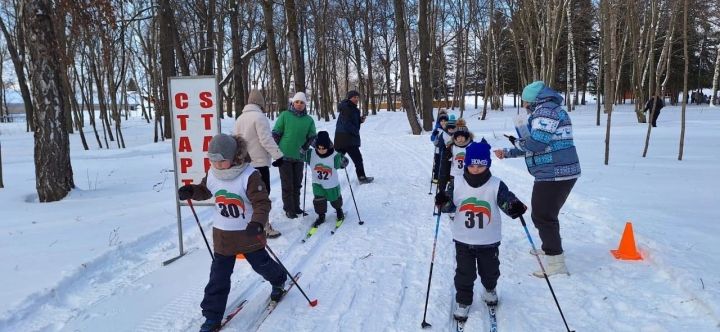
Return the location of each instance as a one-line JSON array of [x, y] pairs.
[[478, 153], [461, 129], [323, 139], [222, 147], [451, 121]]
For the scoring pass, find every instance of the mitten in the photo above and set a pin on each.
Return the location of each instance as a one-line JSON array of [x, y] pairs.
[[254, 228], [441, 199], [344, 162], [516, 209], [277, 163], [186, 192]]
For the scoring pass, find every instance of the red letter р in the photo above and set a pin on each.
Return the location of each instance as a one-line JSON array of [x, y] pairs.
[[185, 163]]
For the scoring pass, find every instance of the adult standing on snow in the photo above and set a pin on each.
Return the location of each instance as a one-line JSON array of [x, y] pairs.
[[551, 158], [347, 133], [294, 132], [254, 127], [654, 105]]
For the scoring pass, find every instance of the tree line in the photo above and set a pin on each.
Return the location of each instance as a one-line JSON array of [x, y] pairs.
[[71, 57]]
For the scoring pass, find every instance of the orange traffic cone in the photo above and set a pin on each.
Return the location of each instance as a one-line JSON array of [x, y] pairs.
[[239, 256], [627, 249]]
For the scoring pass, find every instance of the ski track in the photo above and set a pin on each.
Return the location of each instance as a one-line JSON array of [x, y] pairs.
[[100, 278]]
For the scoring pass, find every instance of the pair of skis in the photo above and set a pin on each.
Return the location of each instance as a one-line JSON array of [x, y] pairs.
[[492, 310], [315, 226], [269, 306]]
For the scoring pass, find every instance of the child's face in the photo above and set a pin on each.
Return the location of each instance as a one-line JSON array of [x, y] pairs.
[[443, 123], [222, 164], [460, 140], [321, 149], [476, 169], [451, 129]]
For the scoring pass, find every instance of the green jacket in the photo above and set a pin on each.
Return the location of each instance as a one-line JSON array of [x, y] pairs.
[[294, 130]]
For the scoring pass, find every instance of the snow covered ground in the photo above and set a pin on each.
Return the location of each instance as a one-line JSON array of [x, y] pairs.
[[93, 261]]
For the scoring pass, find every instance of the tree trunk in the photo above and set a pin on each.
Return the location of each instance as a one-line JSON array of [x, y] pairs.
[[53, 171], [19, 66], [685, 79], [296, 53], [272, 53], [424, 45], [716, 79], [167, 62], [404, 71]]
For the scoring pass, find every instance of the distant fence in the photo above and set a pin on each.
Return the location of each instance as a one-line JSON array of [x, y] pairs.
[[436, 104]]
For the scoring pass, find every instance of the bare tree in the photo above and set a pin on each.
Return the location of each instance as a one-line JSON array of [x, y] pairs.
[[16, 47], [404, 72], [425, 41], [686, 8], [272, 53], [53, 172]]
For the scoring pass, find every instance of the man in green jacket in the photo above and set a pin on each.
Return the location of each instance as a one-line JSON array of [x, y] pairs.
[[294, 132]]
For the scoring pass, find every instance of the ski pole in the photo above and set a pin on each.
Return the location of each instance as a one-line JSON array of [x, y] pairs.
[[353, 197], [304, 188], [189, 201], [432, 263], [313, 302], [522, 220], [437, 188], [434, 174]]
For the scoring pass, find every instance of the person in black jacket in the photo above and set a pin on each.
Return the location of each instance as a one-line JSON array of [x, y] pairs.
[[659, 104], [347, 133]]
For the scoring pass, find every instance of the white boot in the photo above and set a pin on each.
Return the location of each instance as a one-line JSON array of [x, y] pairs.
[[536, 252], [270, 232], [490, 297], [555, 265], [461, 312]]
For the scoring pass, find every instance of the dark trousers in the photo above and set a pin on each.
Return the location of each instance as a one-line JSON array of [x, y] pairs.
[[547, 199], [320, 204], [471, 262], [655, 117], [291, 177], [218, 287], [265, 175], [356, 156], [436, 166]]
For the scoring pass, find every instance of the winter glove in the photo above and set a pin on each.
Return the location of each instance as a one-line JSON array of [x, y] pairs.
[[277, 163], [516, 209], [344, 162], [511, 138], [186, 192], [254, 228], [441, 199], [362, 118]]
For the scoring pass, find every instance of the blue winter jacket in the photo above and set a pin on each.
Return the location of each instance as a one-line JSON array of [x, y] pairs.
[[549, 151]]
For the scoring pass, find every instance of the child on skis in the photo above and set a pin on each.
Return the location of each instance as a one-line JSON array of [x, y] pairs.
[[242, 206], [478, 197], [440, 123], [442, 145], [461, 138], [324, 163]]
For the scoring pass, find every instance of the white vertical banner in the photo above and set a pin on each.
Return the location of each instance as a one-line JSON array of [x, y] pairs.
[[193, 107]]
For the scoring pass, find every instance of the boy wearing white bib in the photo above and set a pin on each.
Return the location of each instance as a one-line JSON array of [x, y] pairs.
[[324, 164], [478, 198], [242, 206], [461, 138]]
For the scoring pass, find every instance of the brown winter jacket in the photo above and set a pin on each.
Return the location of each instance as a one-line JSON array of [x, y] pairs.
[[231, 243]]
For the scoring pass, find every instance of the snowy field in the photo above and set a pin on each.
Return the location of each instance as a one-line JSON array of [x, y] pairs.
[[93, 261]]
